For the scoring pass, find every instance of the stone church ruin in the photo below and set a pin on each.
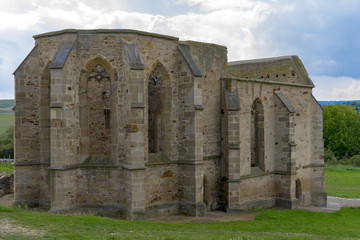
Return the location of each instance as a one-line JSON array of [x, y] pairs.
[[134, 124]]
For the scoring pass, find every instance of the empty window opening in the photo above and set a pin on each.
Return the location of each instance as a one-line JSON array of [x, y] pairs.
[[159, 111], [257, 134], [154, 112], [298, 193]]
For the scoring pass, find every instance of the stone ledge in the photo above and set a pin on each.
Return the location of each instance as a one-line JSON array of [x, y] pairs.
[[77, 166], [256, 172], [234, 146], [314, 165], [56, 105], [137, 105], [198, 107], [158, 159], [132, 167], [211, 157], [190, 162], [284, 173], [31, 163]]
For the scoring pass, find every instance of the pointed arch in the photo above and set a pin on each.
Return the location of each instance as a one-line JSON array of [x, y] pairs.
[[98, 112], [159, 110], [257, 134]]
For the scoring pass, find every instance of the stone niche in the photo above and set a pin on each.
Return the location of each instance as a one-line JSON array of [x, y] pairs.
[[133, 124]]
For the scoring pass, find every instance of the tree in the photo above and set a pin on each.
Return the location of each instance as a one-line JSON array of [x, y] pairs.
[[7, 143], [341, 130]]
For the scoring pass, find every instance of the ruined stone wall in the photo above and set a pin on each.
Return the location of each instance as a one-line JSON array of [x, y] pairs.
[[90, 100], [213, 192], [99, 186], [211, 60], [31, 144], [257, 192], [291, 123], [162, 190]]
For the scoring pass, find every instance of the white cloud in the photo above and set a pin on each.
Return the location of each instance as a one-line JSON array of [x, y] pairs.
[[249, 28], [329, 88], [351, 92]]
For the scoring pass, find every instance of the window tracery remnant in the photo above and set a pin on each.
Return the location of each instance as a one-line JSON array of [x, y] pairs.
[[98, 72]]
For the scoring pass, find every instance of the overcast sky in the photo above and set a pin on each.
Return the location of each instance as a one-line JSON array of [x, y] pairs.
[[323, 33]]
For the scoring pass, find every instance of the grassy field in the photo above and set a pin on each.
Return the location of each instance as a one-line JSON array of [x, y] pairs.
[[270, 224], [6, 114], [6, 103], [6, 120], [342, 181], [6, 167]]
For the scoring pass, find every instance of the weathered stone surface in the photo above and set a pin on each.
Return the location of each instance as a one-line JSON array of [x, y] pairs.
[[6, 184], [147, 125]]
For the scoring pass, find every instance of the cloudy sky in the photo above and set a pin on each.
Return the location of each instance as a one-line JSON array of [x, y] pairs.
[[323, 33]]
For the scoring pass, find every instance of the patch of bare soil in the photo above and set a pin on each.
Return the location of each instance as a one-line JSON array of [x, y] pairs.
[[213, 216], [7, 228]]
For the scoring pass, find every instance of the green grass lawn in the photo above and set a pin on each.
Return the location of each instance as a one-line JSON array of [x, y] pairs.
[[6, 120], [270, 224], [342, 181]]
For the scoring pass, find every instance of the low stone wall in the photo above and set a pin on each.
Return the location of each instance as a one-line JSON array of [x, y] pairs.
[[6, 184]]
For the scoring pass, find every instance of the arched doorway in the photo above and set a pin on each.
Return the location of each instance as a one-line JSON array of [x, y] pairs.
[[257, 134]]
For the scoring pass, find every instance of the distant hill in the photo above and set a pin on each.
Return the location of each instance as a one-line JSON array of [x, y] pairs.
[[6, 106], [354, 103], [337, 102]]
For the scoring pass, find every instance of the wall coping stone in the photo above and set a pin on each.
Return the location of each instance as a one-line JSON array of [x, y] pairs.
[[285, 101], [104, 31], [184, 49]]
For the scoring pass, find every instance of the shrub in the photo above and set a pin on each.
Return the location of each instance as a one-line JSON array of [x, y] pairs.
[[355, 160], [7, 143], [329, 156]]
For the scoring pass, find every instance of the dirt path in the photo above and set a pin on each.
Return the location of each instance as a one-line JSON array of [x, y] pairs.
[[7, 228]]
